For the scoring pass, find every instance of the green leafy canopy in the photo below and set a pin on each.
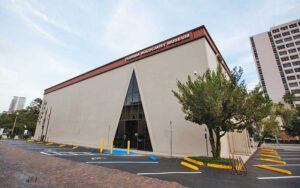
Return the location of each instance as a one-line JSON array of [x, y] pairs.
[[221, 102], [214, 99]]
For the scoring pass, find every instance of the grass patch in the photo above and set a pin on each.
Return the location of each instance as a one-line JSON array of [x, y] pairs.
[[221, 161]]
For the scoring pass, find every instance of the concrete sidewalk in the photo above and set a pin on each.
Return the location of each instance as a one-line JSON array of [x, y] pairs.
[[23, 168]]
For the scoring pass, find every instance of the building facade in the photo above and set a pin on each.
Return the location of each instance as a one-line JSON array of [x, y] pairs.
[[17, 103], [276, 53], [131, 99]]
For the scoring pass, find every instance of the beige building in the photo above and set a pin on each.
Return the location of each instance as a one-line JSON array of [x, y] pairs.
[[131, 99], [276, 53]]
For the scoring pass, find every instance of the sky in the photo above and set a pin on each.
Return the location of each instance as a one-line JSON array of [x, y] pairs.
[[45, 42]]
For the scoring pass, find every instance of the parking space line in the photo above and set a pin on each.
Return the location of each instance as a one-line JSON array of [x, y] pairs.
[[161, 173], [45, 153], [284, 159], [67, 153], [123, 162], [277, 177], [289, 152], [46, 149], [282, 165]]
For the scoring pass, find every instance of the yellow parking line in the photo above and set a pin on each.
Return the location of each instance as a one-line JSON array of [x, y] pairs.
[[267, 149], [269, 152], [193, 161], [193, 167], [49, 144], [62, 145], [219, 166], [271, 156], [274, 169], [272, 160], [75, 147]]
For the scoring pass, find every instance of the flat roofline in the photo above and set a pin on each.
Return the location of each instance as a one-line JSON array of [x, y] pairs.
[[284, 24], [167, 44]]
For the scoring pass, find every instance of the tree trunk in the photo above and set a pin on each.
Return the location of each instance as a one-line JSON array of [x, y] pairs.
[[261, 141], [212, 142], [218, 145], [215, 142]]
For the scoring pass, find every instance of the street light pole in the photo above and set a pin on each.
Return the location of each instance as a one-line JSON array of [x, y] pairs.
[[12, 132]]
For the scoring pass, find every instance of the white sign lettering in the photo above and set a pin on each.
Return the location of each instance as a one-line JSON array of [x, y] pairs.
[[159, 46]]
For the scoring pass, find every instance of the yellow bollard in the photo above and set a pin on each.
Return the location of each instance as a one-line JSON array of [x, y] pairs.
[[128, 147], [111, 147]]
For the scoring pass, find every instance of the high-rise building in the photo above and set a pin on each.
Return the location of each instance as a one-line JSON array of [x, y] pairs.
[[17, 103], [276, 54]]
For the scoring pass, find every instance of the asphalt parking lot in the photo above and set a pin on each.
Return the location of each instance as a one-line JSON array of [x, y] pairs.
[[171, 170]]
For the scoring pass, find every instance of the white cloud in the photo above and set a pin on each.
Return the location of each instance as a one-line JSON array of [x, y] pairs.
[[26, 72], [47, 19], [29, 15], [130, 28]]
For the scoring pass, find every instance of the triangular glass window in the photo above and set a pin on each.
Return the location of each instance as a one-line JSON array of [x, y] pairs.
[[132, 125]]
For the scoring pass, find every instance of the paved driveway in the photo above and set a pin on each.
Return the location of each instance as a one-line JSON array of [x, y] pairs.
[[171, 170]]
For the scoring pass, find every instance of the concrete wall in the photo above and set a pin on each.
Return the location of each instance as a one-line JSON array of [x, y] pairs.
[[89, 110]]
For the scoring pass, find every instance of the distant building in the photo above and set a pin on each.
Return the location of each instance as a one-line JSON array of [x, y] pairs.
[[276, 53], [17, 103]]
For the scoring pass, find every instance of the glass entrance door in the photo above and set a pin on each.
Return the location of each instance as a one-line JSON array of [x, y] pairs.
[[131, 132], [132, 125]]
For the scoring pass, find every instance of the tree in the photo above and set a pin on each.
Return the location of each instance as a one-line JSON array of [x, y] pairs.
[[258, 107], [35, 105], [292, 127], [216, 100], [289, 98], [287, 114], [27, 117], [269, 127]]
